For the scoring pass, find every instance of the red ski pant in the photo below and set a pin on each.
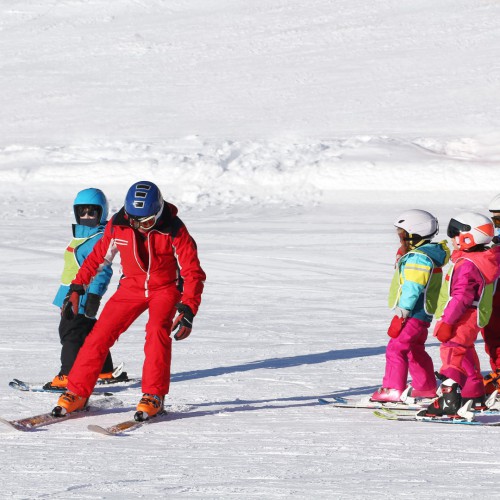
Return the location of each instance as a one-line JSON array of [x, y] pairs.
[[491, 333], [459, 357], [121, 310]]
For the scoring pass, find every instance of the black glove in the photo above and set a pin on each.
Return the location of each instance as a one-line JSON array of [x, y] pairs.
[[92, 305], [71, 302], [183, 322]]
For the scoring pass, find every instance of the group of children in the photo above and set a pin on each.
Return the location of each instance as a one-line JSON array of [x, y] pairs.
[[465, 302]]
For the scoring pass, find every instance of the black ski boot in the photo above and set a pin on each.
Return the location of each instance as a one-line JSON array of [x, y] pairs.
[[448, 403]]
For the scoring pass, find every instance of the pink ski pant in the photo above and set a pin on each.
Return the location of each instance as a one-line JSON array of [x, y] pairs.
[[406, 353], [121, 310]]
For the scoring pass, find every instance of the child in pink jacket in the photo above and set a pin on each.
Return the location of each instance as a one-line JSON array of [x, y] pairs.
[[465, 303]]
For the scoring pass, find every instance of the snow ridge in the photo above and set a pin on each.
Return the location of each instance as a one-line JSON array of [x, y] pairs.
[[208, 173]]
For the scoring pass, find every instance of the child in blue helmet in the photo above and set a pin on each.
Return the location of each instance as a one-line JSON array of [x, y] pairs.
[[91, 213]]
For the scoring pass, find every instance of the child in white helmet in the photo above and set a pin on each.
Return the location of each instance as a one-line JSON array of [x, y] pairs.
[[414, 293], [464, 307]]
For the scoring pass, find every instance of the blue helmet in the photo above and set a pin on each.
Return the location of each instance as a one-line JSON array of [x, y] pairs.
[[143, 200], [95, 197]]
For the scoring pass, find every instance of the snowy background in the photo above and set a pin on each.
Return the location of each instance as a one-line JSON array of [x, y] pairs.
[[290, 135]]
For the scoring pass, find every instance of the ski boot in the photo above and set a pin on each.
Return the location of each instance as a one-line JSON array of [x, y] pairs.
[[109, 378], [492, 382], [386, 395], [69, 402], [149, 406], [58, 384], [117, 375], [448, 403]]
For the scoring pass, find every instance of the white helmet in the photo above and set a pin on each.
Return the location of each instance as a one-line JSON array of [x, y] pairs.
[[494, 205], [469, 229], [418, 223]]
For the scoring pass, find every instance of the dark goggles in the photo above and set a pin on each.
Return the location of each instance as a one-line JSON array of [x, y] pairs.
[[456, 227], [144, 223], [87, 210]]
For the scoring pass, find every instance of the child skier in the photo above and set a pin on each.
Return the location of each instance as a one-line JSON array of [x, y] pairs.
[[413, 294], [91, 213], [491, 332], [464, 307]]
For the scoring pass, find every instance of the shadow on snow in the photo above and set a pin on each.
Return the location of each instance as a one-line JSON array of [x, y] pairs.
[[278, 363]]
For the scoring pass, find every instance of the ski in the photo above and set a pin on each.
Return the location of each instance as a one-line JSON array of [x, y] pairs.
[[390, 415], [118, 377], [365, 403], [22, 386], [492, 404], [36, 421], [478, 418], [126, 425]]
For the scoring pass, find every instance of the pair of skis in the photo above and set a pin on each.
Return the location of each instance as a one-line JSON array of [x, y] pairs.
[[486, 418], [35, 422], [415, 410]]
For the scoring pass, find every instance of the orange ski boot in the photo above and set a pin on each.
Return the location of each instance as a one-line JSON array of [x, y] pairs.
[[69, 402], [149, 406], [58, 383]]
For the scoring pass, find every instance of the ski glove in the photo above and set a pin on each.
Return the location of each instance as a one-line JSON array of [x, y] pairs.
[[92, 305], [443, 331], [72, 301], [183, 322], [396, 326]]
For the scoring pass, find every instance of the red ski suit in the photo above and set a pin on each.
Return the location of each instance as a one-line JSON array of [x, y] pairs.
[[160, 268]]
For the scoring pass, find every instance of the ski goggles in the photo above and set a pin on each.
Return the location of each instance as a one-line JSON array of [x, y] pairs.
[[144, 223], [456, 227], [87, 210]]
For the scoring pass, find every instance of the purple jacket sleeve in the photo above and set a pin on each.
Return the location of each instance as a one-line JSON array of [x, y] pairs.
[[466, 287]]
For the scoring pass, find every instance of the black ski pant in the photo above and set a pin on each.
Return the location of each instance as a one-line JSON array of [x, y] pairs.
[[73, 334]]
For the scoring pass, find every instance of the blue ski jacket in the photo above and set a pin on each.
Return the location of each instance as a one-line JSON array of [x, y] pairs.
[[84, 239]]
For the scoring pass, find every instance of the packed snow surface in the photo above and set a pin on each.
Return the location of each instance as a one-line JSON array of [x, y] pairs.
[[290, 135]]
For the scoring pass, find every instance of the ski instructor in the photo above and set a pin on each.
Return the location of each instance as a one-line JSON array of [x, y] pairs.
[[161, 273]]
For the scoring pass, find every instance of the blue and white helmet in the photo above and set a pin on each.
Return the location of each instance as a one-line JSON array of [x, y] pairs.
[[143, 199], [94, 197]]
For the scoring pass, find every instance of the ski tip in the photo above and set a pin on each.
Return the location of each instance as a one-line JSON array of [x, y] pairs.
[[332, 399], [59, 412], [19, 385], [99, 429], [141, 416]]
